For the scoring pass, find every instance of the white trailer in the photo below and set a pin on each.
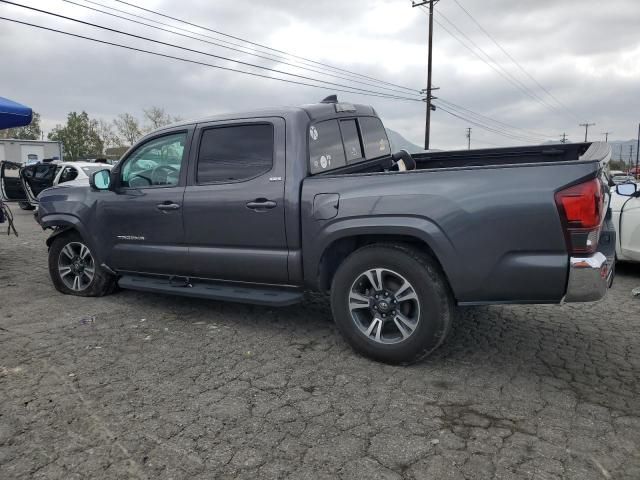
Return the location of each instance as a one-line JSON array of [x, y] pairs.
[[27, 152]]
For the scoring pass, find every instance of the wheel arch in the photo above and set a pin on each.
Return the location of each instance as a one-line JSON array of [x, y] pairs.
[[340, 248]]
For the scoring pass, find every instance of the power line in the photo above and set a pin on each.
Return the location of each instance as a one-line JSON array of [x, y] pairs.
[[530, 133], [472, 116], [218, 43], [494, 64], [219, 57], [155, 12], [196, 62], [484, 127], [522, 69]]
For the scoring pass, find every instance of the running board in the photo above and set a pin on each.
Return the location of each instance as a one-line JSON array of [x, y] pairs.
[[212, 291]]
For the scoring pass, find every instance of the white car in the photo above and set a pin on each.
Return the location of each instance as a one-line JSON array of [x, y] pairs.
[[22, 184], [625, 207]]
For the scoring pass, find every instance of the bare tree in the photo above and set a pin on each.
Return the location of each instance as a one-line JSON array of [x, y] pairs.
[[107, 134], [128, 128], [158, 117]]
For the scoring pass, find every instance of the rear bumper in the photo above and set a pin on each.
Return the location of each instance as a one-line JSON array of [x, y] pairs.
[[589, 278]]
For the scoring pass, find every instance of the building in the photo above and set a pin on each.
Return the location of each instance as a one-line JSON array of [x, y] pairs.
[[29, 151]]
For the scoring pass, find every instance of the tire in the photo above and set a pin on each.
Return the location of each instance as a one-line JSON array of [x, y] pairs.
[[69, 253], [26, 206], [414, 326]]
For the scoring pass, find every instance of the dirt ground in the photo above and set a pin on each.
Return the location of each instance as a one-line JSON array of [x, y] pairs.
[[146, 386]]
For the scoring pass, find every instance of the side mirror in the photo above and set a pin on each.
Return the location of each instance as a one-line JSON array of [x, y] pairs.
[[100, 180], [627, 189]]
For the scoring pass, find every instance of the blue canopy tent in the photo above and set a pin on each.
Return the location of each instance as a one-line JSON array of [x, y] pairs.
[[13, 114]]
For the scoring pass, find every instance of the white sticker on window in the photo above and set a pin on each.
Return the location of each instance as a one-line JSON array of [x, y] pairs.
[[313, 132], [323, 161], [383, 146]]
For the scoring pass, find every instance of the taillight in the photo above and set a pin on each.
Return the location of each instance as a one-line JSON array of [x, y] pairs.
[[581, 210]]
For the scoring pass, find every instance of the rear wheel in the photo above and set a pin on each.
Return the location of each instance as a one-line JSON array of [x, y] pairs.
[[391, 303], [26, 206], [73, 268]]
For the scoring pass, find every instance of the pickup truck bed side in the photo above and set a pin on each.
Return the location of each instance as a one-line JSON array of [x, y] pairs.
[[493, 248]]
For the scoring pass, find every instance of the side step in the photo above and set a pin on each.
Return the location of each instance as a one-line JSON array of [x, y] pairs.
[[213, 291]]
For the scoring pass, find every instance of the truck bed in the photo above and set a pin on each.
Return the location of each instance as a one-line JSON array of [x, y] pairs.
[[489, 216]]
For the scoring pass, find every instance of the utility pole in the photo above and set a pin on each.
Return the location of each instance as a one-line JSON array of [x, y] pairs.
[[586, 129], [630, 156], [564, 138], [430, 107], [620, 156], [606, 136], [638, 152], [469, 138]]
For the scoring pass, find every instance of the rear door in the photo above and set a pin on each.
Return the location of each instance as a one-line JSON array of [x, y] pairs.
[[234, 212], [38, 177], [10, 183]]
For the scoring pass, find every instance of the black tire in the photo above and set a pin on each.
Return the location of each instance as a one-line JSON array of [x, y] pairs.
[[26, 206], [101, 283], [433, 305]]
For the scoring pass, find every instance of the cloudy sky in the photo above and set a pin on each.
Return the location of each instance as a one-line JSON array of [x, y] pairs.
[[583, 54]]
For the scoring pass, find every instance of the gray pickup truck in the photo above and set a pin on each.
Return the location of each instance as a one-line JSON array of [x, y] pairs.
[[257, 207]]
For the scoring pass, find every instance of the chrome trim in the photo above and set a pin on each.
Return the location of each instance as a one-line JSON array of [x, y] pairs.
[[588, 278]]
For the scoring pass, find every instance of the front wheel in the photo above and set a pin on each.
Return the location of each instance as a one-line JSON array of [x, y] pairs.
[[73, 268], [391, 303]]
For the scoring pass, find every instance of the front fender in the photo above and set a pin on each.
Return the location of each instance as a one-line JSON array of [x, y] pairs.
[[62, 223]]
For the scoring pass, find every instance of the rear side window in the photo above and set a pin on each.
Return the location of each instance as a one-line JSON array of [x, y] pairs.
[[325, 146], [234, 153], [374, 138]]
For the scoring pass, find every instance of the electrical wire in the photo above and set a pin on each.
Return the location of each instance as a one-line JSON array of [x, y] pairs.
[[221, 44], [520, 67], [526, 90], [486, 127], [155, 12], [195, 62], [219, 57], [497, 122]]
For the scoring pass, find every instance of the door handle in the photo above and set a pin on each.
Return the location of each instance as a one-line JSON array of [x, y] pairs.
[[261, 204], [167, 206]]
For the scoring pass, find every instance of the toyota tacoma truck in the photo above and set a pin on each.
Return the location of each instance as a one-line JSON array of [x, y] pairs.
[[258, 207]]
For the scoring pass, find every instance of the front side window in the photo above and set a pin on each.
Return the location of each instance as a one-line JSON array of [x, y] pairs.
[[155, 163], [235, 153]]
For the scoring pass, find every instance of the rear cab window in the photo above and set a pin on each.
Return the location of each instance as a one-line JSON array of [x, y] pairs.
[[338, 142]]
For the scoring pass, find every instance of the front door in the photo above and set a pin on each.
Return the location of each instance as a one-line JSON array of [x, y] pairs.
[[234, 212], [140, 223], [10, 183]]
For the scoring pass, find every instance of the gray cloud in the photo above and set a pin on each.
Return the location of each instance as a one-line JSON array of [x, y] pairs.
[[587, 53]]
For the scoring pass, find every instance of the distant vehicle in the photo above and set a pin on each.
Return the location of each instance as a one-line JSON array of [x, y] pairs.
[[257, 207], [23, 184], [625, 209], [622, 178]]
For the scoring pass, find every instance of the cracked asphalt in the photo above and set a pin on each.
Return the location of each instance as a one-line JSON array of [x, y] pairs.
[[139, 385]]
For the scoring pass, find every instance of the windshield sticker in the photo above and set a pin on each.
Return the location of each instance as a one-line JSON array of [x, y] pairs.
[[383, 145], [313, 132]]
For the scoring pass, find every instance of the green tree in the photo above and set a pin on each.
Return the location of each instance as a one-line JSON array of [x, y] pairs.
[[28, 132], [79, 136]]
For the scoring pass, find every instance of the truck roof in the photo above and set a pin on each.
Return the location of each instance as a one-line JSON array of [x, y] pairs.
[[312, 112]]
